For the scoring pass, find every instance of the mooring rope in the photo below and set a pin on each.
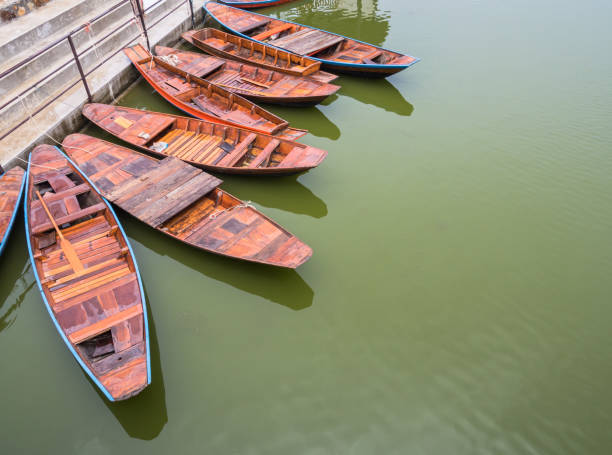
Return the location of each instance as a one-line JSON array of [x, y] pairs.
[[244, 205]]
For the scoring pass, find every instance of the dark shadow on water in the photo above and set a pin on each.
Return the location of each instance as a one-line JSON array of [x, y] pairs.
[[294, 197], [283, 286], [145, 415], [14, 272], [376, 92]]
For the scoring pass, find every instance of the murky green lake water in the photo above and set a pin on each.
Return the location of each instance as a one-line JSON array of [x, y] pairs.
[[459, 296]]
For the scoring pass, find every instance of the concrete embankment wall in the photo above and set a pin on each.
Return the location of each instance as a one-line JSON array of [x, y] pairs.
[[106, 83]]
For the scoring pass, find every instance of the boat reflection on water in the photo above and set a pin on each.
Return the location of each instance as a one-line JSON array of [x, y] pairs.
[[145, 415], [16, 280], [279, 285], [361, 19], [380, 93]]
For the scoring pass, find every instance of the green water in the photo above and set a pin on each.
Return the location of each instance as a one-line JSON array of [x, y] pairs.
[[459, 297]]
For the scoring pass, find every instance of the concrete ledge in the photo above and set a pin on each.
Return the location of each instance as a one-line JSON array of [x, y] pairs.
[[64, 115]]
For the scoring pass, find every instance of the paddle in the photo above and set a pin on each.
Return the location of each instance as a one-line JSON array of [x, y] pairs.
[[65, 245]]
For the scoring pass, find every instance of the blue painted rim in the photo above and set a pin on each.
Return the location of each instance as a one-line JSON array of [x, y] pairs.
[[327, 62], [46, 302], [9, 228], [260, 3]]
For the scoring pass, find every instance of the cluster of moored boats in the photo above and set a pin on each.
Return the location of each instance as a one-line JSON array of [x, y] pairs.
[[82, 260]]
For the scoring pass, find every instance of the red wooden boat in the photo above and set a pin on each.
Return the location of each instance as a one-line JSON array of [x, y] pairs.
[[87, 275], [252, 82], [11, 189], [185, 203], [208, 145], [217, 42], [205, 100], [337, 53]]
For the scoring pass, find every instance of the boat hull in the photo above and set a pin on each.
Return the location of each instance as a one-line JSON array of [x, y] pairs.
[[12, 183], [185, 203], [202, 152], [85, 307]]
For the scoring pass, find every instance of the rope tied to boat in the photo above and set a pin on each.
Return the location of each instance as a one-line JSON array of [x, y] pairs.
[[244, 204], [171, 59]]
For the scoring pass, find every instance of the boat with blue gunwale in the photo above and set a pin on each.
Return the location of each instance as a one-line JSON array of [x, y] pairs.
[[87, 274], [337, 53], [11, 189]]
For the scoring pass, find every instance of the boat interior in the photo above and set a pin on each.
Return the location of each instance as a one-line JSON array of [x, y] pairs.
[[94, 295], [196, 141], [256, 52]]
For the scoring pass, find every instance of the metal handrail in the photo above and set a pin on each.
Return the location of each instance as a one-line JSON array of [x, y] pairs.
[[139, 12]]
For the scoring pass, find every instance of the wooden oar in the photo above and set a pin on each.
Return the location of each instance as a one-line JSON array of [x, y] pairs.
[[65, 245]]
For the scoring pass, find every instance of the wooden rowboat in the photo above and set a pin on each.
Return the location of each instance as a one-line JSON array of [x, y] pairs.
[[252, 4], [217, 42], [11, 189], [184, 202], [337, 53], [252, 82], [205, 100], [208, 145], [87, 274]]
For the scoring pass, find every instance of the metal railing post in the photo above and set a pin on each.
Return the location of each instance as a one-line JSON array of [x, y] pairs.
[[192, 15], [141, 15], [78, 64]]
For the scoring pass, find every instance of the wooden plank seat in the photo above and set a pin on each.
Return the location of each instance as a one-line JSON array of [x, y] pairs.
[[52, 197], [161, 193], [273, 31], [264, 155], [251, 23], [239, 151], [306, 41], [99, 327], [69, 218]]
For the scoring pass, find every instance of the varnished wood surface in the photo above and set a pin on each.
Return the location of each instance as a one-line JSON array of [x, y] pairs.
[[336, 52], [253, 82], [184, 203], [11, 183], [100, 311], [234, 47], [204, 144], [205, 100]]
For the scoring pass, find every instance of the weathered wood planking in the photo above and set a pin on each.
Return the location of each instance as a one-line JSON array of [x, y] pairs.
[[253, 82], [216, 221], [11, 188], [205, 100], [100, 312], [336, 52], [217, 42], [204, 144]]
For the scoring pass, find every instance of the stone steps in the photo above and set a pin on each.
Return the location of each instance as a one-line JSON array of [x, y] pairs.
[[60, 60], [63, 115]]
